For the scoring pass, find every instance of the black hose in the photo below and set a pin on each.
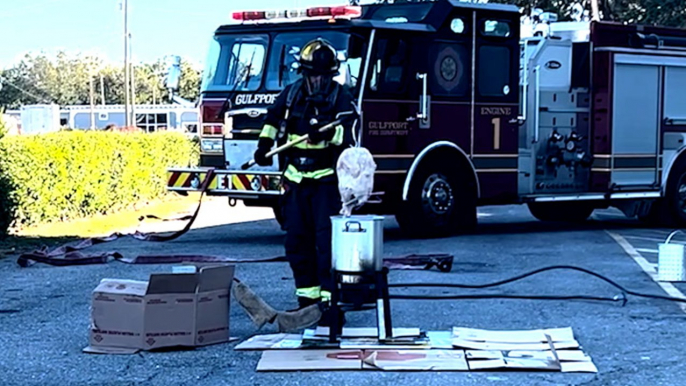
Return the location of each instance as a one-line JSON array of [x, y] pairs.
[[618, 298], [522, 276]]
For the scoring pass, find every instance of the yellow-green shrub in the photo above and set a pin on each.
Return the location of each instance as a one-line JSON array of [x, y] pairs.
[[73, 174]]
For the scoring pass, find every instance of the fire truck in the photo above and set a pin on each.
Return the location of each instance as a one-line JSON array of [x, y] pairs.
[[464, 105]]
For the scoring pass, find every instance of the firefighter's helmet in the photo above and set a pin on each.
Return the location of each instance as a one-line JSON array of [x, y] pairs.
[[319, 57]]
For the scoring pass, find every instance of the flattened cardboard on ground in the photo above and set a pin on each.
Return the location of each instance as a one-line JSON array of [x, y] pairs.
[[518, 354], [570, 360], [415, 360], [469, 344], [365, 338], [385, 360], [171, 309], [514, 336], [365, 332], [281, 341], [284, 341], [477, 339], [281, 360], [421, 343]]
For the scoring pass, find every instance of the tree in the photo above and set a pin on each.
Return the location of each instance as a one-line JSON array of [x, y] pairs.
[[189, 84], [66, 81], [671, 13]]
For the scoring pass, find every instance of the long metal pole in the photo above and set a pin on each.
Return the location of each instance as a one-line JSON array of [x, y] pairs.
[[102, 90], [126, 63], [132, 75], [92, 101]]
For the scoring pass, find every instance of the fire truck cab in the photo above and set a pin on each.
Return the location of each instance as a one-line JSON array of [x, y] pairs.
[[464, 105]]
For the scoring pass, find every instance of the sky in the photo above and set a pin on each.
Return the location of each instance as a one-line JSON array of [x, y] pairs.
[[157, 27]]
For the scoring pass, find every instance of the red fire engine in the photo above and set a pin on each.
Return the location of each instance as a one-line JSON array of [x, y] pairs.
[[465, 105]]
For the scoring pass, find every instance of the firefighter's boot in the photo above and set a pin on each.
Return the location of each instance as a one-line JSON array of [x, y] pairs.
[[258, 311], [291, 321]]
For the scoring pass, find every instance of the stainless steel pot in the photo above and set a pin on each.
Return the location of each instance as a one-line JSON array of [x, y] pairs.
[[357, 243]]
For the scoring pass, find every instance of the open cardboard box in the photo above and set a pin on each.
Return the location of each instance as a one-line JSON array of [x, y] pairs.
[[187, 308]]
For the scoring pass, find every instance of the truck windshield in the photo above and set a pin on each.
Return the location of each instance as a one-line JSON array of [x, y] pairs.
[[282, 68], [235, 63], [238, 62]]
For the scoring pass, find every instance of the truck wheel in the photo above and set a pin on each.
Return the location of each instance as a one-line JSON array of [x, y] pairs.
[[440, 203], [675, 194], [561, 211]]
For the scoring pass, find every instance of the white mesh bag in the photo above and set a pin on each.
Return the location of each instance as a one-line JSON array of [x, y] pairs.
[[355, 170]]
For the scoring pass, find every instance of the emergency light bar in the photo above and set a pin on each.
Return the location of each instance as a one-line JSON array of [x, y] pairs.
[[343, 11]]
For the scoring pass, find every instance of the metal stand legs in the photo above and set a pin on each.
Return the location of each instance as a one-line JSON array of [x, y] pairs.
[[383, 306], [379, 287]]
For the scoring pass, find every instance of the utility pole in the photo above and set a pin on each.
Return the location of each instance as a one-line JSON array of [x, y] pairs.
[[92, 97], [133, 92], [132, 76], [126, 63], [102, 90]]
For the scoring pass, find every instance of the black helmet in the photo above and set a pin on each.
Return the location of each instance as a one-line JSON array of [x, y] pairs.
[[319, 57]]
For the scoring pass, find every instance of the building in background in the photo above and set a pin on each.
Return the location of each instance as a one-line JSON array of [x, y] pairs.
[[148, 118], [38, 119]]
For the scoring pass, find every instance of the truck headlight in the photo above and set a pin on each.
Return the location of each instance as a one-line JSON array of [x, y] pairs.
[[213, 145]]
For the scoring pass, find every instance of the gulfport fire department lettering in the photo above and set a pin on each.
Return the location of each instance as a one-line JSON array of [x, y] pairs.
[[255, 99], [388, 128]]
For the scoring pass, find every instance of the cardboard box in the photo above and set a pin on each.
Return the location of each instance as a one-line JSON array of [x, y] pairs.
[[188, 308]]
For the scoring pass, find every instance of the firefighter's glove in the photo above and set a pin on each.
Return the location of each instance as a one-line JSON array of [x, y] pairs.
[[315, 136], [263, 147]]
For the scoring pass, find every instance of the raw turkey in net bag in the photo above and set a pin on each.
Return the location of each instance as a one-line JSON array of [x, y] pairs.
[[355, 170]]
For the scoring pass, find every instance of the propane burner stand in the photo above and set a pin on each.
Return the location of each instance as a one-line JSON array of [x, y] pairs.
[[355, 291]]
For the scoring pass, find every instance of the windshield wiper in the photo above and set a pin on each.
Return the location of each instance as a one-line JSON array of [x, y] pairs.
[[234, 66], [237, 82], [249, 69]]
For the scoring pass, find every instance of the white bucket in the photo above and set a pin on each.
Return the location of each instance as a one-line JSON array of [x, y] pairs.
[[670, 263]]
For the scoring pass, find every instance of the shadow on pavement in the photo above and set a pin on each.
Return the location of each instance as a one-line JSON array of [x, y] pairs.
[[268, 231]]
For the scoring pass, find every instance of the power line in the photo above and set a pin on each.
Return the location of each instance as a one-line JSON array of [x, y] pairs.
[[5, 81]]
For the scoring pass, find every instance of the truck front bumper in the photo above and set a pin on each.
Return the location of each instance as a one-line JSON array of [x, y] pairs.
[[231, 183]]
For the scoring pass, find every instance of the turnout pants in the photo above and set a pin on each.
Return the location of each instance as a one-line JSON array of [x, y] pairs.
[[307, 208]]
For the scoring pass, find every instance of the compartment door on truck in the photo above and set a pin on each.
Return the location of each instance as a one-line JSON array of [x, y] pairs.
[[636, 95]]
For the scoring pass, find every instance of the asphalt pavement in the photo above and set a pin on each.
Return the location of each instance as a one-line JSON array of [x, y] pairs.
[[45, 311]]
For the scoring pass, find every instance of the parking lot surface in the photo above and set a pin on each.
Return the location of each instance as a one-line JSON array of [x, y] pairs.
[[46, 310]]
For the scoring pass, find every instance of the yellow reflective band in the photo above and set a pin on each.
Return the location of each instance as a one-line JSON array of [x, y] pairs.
[[269, 131], [296, 176], [311, 292], [326, 296], [305, 144], [337, 139]]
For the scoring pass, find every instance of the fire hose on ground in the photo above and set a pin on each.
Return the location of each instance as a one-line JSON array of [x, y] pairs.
[[619, 298]]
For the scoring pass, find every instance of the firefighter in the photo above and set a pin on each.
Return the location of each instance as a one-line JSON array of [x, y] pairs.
[[311, 194]]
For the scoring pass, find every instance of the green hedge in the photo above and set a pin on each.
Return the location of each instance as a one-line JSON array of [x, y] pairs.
[[75, 174], [3, 125]]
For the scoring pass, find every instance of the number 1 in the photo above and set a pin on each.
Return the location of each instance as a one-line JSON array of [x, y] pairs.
[[496, 133]]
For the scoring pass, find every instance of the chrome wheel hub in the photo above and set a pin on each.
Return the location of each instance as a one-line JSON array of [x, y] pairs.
[[437, 194]]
